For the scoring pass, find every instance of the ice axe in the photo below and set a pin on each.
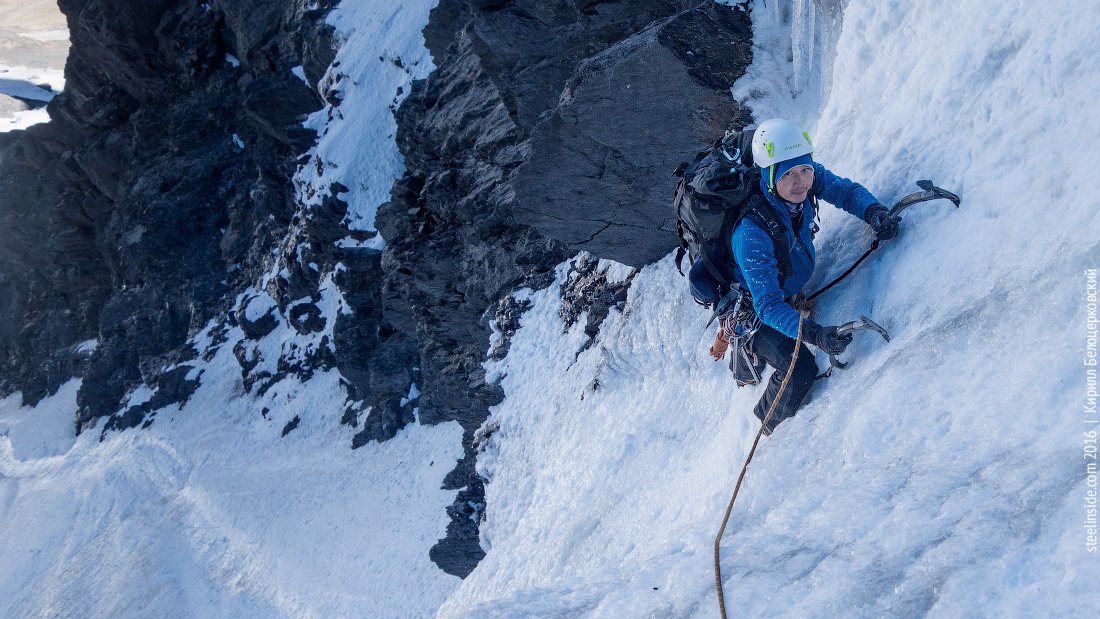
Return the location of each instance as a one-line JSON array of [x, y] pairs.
[[862, 324], [930, 192], [734, 295]]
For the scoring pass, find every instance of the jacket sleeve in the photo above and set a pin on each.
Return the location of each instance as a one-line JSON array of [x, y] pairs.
[[845, 194], [755, 255]]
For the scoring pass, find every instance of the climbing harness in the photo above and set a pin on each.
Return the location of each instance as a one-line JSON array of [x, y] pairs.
[[740, 478]]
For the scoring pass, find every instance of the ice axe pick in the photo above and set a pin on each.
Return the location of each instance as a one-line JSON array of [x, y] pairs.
[[863, 323]]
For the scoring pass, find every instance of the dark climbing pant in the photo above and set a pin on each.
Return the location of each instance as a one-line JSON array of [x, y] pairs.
[[776, 350]]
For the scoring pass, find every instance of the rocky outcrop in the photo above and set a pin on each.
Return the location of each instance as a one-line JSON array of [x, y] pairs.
[[600, 173], [161, 195], [547, 128], [157, 192]]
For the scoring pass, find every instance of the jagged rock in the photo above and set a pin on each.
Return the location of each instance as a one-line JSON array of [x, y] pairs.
[[277, 105], [384, 422], [291, 425], [506, 321], [259, 327], [134, 217], [587, 290], [510, 77], [378, 361], [306, 318], [460, 552], [171, 387], [599, 177], [137, 216]]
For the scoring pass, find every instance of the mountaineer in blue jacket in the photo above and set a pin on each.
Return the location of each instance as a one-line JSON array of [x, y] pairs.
[[790, 182]]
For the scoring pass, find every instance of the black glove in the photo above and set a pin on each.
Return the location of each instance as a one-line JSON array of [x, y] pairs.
[[825, 338], [884, 224]]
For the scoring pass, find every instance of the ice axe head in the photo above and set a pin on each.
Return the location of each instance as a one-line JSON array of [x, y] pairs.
[[931, 192], [862, 324]]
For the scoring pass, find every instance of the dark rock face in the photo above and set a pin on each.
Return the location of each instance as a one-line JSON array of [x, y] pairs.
[[161, 191], [547, 128], [157, 192], [599, 176]]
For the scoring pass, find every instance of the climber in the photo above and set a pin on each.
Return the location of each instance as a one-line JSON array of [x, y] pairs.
[[766, 325]]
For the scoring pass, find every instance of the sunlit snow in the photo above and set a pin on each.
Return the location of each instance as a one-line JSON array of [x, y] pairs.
[[942, 474]]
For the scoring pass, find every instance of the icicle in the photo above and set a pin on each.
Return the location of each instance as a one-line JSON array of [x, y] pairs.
[[803, 16]]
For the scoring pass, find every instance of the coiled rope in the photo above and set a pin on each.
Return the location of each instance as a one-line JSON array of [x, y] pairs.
[[740, 478]]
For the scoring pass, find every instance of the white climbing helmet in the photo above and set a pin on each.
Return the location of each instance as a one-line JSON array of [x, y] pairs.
[[778, 139]]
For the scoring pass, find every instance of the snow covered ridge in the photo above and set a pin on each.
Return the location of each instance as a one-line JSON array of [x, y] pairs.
[[944, 473], [241, 494]]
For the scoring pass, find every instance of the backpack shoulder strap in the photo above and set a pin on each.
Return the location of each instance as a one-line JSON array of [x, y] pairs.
[[816, 227], [763, 216]]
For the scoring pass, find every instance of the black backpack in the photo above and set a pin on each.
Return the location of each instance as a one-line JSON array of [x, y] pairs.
[[718, 189]]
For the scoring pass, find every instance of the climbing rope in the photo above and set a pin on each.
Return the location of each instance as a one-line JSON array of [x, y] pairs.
[[763, 424]]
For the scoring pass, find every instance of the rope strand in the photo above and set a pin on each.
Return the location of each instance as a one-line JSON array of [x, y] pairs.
[[740, 478]]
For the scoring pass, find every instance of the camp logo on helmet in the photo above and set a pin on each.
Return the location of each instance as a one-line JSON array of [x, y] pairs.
[[793, 146]]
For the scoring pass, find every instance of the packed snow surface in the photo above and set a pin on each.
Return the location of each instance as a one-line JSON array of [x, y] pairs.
[[944, 473], [216, 511]]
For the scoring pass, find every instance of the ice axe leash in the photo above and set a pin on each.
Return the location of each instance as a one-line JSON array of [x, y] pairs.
[[741, 477], [930, 192]]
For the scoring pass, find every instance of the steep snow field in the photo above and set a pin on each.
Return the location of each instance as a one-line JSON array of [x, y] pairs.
[[381, 52], [215, 510], [944, 472]]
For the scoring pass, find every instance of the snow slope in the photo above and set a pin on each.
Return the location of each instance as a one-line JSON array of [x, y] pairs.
[[944, 472], [215, 510]]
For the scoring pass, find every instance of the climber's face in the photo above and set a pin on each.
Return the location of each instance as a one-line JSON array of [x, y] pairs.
[[795, 184]]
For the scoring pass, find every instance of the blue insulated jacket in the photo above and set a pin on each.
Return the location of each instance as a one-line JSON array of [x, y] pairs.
[[754, 253]]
